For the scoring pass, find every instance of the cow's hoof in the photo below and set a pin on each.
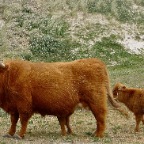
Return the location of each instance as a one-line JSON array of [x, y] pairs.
[[99, 135], [7, 136], [17, 137], [69, 131]]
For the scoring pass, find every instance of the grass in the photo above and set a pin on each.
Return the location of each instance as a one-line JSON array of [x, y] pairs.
[[119, 129], [132, 76], [47, 129]]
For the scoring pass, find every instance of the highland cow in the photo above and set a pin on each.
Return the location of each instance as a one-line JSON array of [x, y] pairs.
[[54, 89], [133, 98]]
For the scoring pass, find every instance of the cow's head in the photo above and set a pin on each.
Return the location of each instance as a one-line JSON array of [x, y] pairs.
[[3, 69], [2, 66], [117, 91]]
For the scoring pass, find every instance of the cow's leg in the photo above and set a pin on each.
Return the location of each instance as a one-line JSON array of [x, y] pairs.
[[14, 119], [62, 122], [96, 100], [100, 115], [68, 125], [12, 130], [138, 120], [24, 117]]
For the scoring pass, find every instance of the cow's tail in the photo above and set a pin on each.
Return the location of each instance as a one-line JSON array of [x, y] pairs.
[[113, 102], [111, 98]]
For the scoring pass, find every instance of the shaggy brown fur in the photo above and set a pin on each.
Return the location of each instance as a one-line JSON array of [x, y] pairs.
[[133, 98], [54, 89]]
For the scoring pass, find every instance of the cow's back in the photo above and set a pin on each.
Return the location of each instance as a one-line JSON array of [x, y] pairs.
[[90, 72]]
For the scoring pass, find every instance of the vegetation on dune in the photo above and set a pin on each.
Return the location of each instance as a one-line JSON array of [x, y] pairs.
[[36, 30]]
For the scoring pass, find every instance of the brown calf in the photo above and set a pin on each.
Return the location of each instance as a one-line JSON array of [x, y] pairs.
[[133, 98], [54, 89]]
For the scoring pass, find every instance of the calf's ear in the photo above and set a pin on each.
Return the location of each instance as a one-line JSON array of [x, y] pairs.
[[122, 88]]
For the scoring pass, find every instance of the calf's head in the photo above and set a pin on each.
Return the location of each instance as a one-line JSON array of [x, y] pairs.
[[118, 91]]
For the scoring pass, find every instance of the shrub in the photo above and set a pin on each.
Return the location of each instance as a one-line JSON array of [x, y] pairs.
[[121, 10], [49, 48], [50, 41], [110, 51]]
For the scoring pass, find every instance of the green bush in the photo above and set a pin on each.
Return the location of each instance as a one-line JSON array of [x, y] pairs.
[[99, 6], [139, 2], [51, 41], [110, 51], [48, 48], [121, 10], [45, 46]]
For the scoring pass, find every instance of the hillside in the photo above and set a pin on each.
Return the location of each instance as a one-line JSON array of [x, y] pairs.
[[67, 30]]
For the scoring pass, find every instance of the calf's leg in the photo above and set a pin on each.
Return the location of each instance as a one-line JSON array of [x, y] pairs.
[[138, 120]]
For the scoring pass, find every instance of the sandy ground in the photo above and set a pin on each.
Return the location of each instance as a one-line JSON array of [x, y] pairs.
[[133, 45]]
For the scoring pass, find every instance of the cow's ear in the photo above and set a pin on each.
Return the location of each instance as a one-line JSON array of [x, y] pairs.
[[3, 67]]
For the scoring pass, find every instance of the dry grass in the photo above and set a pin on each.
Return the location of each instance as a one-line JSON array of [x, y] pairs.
[[47, 130], [119, 129]]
